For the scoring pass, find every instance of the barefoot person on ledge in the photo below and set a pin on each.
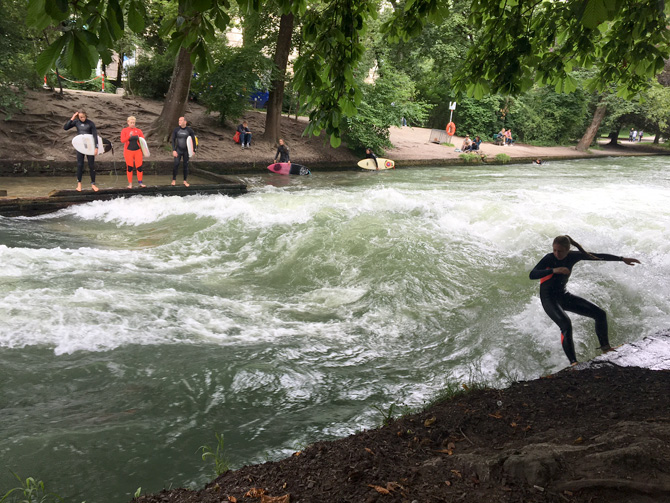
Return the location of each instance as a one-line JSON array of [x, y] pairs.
[[84, 126], [132, 152], [553, 271], [180, 149]]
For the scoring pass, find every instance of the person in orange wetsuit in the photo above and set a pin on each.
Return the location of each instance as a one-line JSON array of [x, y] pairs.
[[132, 152]]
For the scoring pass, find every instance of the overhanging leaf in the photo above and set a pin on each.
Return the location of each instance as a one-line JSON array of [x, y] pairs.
[[136, 17], [47, 59], [36, 15], [595, 13], [58, 10], [81, 57]]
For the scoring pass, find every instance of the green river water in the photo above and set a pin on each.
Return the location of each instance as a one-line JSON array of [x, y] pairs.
[[132, 331]]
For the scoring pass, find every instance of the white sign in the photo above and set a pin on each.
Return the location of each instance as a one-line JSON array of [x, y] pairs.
[[452, 105]]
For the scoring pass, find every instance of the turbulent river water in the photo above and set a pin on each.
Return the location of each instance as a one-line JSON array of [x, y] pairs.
[[132, 331]]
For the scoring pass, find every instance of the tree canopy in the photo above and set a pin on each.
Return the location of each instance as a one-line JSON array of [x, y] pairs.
[[519, 42]]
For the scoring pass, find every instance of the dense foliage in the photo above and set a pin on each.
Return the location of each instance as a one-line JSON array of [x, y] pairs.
[[545, 117], [150, 76], [237, 73], [385, 103], [524, 54], [17, 53]]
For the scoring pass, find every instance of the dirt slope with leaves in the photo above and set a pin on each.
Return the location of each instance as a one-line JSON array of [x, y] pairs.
[[600, 434], [37, 133]]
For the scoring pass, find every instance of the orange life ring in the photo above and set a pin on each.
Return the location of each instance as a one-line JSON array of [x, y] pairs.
[[451, 129]]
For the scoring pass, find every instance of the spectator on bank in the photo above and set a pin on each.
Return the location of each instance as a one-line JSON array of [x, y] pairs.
[[245, 135], [475, 144]]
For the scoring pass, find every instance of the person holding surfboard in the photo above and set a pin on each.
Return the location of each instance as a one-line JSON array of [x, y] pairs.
[[282, 152], [84, 125], [180, 137], [369, 154], [132, 151], [553, 271]]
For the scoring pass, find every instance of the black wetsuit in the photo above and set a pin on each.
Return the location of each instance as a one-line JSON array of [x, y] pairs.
[[282, 152], [86, 127], [556, 299], [371, 155], [179, 136]]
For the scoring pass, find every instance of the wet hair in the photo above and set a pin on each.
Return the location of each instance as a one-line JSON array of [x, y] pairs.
[[565, 241], [131, 118], [82, 112]]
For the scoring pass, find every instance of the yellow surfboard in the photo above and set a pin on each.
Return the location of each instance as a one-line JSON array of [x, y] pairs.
[[381, 164]]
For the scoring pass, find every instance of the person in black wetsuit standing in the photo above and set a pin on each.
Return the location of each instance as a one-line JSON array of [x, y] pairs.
[[553, 271], [84, 126], [180, 150]]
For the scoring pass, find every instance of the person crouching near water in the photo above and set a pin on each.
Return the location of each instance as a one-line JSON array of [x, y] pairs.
[[132, 152], [84, 126], [282, 154], [369, 154], [553, 271]]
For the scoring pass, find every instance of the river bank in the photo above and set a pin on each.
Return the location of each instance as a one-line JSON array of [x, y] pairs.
[[34, 143]]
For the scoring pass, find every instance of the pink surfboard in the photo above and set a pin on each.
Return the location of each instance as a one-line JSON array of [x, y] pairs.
[[285, 168]]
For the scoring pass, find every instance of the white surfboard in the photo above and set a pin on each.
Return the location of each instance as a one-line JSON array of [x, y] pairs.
[[189, 146], [381, 164], [144, 147], [84, 144]]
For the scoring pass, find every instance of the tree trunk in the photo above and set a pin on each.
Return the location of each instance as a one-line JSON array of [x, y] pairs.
[[273, 119], [614, 138], [175, 99], [656, 138], [592, 130], [119, 71]]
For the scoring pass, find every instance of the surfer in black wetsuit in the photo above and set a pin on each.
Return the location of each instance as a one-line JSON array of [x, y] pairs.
[[369, 154], [282, 152], [180, 150], [84, 126], [553, 271]]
